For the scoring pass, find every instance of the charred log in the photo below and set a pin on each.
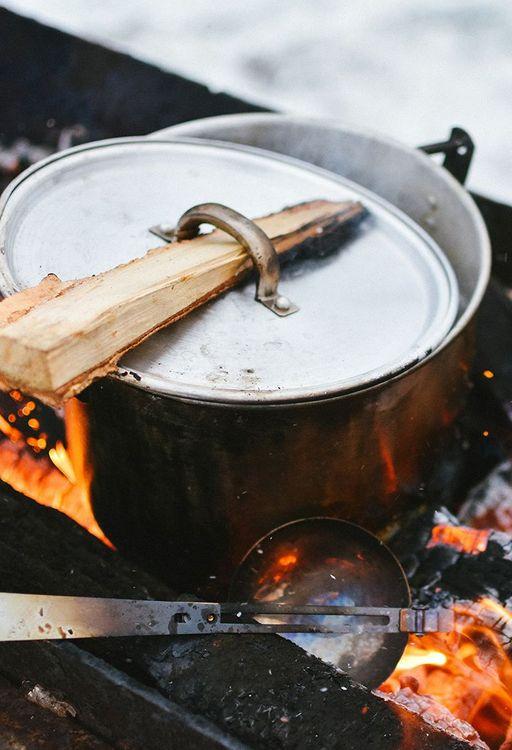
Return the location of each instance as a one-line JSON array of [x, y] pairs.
[[442, 566], [261, 690], [448, 572]]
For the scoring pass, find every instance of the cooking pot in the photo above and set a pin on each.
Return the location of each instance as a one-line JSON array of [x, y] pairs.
[[225, 426]]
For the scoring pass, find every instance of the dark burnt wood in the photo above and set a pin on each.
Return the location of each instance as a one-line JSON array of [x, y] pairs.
[[446, 572], [261, 691], [129, 713], [442, 572]]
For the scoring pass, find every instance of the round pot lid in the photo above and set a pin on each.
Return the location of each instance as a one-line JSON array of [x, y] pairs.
[[368, 311]]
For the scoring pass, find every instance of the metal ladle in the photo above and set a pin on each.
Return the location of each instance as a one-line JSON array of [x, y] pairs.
[[335, 587], [325, 561]]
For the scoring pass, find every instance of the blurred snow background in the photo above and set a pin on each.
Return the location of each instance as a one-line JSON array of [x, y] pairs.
[[406, 68]]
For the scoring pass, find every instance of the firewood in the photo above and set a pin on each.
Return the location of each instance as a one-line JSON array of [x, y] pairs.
[[259, 690], [60, 336], [443, 565]]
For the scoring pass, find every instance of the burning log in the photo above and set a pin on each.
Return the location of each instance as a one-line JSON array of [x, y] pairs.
[[60, 336], [469, 671], [433, 712], [262, 690], [466, 566]]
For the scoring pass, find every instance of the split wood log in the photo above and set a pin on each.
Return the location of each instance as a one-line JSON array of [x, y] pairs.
[[60, 336], [215, 691]]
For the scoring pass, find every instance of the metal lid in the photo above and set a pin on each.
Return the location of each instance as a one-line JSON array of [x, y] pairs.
[[375, 307]]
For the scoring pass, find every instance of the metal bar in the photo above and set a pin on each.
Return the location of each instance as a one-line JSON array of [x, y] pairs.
[[275, 608], [40, 617], [336, 629]]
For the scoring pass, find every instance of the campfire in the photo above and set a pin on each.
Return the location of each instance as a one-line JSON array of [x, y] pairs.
[[460, 681], [169, 480], [468, 672]]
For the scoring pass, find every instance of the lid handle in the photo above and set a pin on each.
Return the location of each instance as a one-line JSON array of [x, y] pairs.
[[252, 238]]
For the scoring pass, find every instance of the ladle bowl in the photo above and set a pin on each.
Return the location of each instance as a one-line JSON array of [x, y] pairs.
[[329, 561]]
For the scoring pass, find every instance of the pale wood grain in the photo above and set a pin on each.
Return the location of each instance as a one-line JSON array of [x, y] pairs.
[[59, 336]]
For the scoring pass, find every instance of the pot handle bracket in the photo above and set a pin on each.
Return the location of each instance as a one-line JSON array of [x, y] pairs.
[[458, 152], [249, 235]]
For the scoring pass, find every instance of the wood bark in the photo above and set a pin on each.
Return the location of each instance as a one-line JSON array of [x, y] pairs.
[[58, 336]]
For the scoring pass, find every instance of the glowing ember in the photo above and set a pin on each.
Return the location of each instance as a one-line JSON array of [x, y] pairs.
[[286, 560], [42, 472], [465, 539]]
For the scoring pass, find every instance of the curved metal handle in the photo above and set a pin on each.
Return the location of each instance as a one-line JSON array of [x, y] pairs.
[[252, 238]]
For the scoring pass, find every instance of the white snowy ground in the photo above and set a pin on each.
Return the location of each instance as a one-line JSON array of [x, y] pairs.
[[407, 68]]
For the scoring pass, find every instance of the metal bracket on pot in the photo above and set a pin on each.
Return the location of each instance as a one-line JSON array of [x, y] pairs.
[[458, 152], [249, 235]]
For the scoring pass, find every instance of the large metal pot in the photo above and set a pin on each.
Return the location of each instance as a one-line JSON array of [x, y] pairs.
[[190, 481]]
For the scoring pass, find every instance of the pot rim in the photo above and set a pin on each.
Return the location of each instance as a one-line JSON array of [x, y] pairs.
[[153, 384], [463, 322], [186, 129]]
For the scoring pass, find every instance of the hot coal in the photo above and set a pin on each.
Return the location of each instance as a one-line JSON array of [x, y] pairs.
[[440, 571]]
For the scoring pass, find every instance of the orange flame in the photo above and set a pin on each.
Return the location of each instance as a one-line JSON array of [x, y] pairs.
[[467, 671], [391, 478], [54, 477]]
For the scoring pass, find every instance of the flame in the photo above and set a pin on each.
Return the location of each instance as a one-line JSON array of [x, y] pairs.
[[467, 671], [417, 657], [60, 458], [463, 538], [53, 476]]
